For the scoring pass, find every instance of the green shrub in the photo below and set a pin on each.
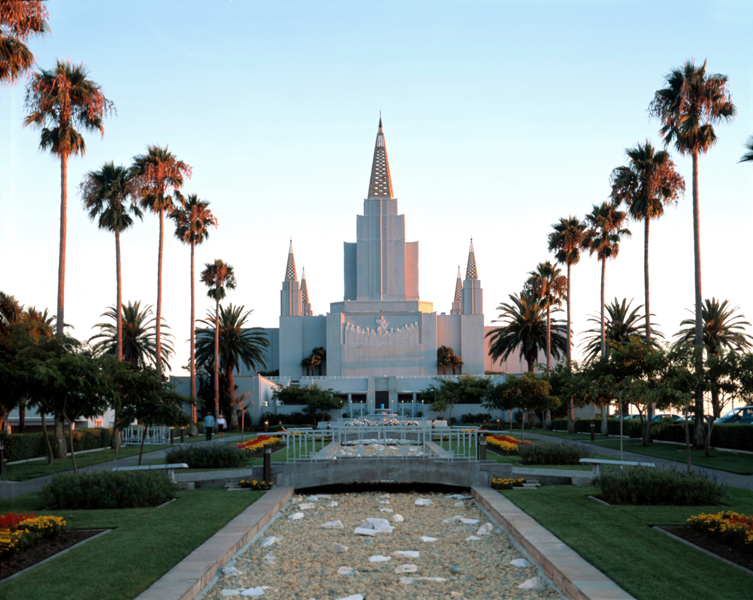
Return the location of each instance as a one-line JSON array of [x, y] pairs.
[[296, 418], [649, 486], [734, 436], [207, 457], [476, 418], [551, 453], [134, 489], [23, 446], [630, 427]]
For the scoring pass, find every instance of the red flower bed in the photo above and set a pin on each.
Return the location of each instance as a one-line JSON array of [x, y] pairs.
[[11, 520]]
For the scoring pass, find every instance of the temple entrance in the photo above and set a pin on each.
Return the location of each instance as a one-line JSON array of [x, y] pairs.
[[381, 399]]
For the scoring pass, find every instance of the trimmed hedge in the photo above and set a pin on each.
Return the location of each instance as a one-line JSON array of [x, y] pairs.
[[649, 486], [734, 436], [476, 418], [23, 446], [630, 427], [109, 490], [551, 453], [207, 457]]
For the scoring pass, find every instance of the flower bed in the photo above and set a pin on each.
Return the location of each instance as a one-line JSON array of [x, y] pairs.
[[506, 444], [257, 444], [729, 527], [20, 532], [506, 484], [256, 485]]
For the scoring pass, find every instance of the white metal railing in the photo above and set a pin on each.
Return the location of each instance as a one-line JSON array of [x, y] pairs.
[[154, 435]]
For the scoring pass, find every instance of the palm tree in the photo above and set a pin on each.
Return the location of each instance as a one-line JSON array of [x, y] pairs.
[[688, 107], [192, 222], [621, 324], [58, 101], [19, 21], [218, 277], [646, 185], [106, 194], [157, 173], [139, 336], [525, 330], [748, 156], [308, 363], [237, 345], [321, 355], [548, 283]]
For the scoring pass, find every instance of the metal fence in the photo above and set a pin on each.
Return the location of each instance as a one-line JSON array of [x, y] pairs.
[[154, 435]]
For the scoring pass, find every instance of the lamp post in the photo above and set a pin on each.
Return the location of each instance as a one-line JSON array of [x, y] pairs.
[[266, 426]]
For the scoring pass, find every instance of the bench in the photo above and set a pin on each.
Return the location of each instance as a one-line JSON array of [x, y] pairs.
[[169, 468], [597, 462]]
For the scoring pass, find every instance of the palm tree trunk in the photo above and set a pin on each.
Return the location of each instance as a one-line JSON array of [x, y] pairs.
[[698, 432], [231, 386], [651, 407], [22, 416], [603, 429], [194, 428], [60, 450], [548, 338], [159, 292], [119, 299], [73, 453], [217, 360], [63, 229], [570, 423]]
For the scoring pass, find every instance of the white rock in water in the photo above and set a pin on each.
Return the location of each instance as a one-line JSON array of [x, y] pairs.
[[363, 531], [384, 496], [339, 547], [352, 597], [270, 540], [296, 499], [397, 518], [460, 504], [254, 591], [520, 562], [454, 519], [459, 496], [469, 521], [230, 571], [386, 510], [428, 539], [230, 592], [406, 580], [472, 538], [407, 568], [306, 505], [380, 524], [269, 557], [346, 571], [296, 516], [323, 496], [531, 584], [377, 558], [408, 553], [485, 529], [423, 502], [384, 502], [412, 579], [332, 525], [312, 499], [332, 504]]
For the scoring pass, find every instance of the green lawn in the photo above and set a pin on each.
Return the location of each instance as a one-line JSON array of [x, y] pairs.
[[143, 546], [619, 541]]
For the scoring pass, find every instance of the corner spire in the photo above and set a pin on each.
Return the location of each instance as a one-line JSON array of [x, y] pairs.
[[304, 288], [470, 272], [290, 273], [458, 288], [380, 184]]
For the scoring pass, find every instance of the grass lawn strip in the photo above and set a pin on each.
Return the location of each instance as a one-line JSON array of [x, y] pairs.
[[619, 541], [145, 544]]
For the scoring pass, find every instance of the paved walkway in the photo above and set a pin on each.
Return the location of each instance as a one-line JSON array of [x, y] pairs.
[[11, 489], [722, 477]]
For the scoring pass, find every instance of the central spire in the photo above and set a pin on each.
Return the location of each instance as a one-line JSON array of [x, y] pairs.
[[290, 274], [471, 272], [380, 185]]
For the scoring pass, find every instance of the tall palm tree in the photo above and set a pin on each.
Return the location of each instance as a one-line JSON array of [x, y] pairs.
[[18, 22], [321, 354], [621, 324], [688, 106], [525, 329], [218, 277], [158, 174], [106, 194], [139, 336], [237, 345], [59, 101], [646, 185], [192, 222], [548, 283], [748, 156]]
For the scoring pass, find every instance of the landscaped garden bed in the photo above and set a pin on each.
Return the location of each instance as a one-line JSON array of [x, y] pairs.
[[714, 546], [254, 448]]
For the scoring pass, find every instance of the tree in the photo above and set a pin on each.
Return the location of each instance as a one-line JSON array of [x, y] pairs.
[[525, 329], [237, 345], [106, 195], [646, 185], [527, 393], [446, 357], [192, 222], [18, 22], [688, 106], [139, 336], [446, 393], [59, 101], [218, 277], [158, 174], [548, 283], [748, 156], [315, 399]]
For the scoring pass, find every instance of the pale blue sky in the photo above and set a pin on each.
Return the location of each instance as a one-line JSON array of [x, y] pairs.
[[500, 117]]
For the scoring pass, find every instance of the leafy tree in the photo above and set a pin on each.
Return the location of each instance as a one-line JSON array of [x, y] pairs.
[[688, 106], [218, 277], [646, 185], [106, 195], [59, 101], [139, 336], [192, 222], [527, 393], [158, 174], [237, 345], [315, 399], [18, 22], [446, 393]]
